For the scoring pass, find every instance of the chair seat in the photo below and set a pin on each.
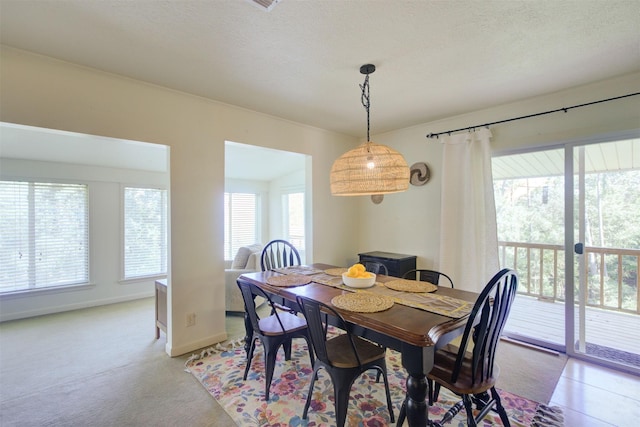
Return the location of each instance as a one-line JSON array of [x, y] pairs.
[[444, 363], [271, 327], [341, 355]]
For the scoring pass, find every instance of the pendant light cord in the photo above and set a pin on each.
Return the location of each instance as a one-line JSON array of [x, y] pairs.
[[366, 103]]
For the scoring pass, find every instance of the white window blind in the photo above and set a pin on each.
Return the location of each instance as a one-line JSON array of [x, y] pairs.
[[240, 222], [294, 219], [44, 235], [145, 232]]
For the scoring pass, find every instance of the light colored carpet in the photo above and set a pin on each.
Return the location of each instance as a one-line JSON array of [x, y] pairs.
[[98, 367], [103, 367]]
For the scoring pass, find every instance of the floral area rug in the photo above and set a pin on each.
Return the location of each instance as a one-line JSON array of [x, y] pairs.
[[220, 371]]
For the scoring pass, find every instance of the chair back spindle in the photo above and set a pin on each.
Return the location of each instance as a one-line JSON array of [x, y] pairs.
[[278, 254], [485, 325]]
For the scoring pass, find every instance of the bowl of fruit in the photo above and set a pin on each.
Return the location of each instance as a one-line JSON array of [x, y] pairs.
[[357, 277]]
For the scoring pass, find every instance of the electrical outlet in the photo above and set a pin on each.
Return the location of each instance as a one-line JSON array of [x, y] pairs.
[[191, 319]]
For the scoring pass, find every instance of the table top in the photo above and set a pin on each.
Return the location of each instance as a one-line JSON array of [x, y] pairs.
[[406, 324]]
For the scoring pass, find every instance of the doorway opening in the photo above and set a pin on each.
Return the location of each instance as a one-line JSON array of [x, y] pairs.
[[272, 193], [105, 198]]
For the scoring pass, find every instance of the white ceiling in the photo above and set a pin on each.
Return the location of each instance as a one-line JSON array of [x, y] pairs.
[[30, 143], [242, 161], [301, 60]]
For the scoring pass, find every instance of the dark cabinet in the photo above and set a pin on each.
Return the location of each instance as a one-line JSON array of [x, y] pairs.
[[397, 264]]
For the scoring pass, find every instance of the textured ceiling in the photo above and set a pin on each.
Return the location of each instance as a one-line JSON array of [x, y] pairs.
[[301, 60]]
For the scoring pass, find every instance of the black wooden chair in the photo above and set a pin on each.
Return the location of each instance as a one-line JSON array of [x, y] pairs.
[[345, 357], [273, 331], [431, 276], [278, 254], [469, 371], [376, 268]]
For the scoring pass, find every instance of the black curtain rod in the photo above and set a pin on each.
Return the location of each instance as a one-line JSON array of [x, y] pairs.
[[436, 135]]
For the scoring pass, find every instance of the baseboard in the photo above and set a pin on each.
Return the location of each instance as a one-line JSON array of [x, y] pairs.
[[24, 314], [195, 345]]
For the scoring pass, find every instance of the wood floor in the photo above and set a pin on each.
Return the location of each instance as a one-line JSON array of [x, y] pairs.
[[590, 394], [594, 396]]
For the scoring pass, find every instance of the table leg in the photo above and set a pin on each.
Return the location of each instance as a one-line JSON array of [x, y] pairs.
[[417, 361], [417, 408]]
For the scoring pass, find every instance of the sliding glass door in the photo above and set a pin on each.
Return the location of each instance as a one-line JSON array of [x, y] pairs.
[[529, 194], [569, 223], [605, 208]]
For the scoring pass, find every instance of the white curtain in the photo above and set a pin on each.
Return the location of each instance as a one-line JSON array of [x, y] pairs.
[[469, 241]]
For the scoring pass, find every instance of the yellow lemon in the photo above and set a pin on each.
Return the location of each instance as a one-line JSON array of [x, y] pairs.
[[359, 267]]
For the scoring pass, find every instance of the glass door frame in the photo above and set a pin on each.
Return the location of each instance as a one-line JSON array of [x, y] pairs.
[[570, 248]]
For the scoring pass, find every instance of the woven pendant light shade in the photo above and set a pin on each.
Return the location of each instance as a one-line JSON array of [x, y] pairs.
[[369, 169]]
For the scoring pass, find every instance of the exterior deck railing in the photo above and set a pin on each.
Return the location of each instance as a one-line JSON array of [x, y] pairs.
[[612, 273]]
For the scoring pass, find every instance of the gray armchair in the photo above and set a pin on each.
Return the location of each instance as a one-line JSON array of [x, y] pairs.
[[247, 260]]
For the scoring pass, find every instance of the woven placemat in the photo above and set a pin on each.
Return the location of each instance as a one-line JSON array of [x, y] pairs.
[[362, 302], [336, 271], [411, 286], [289, 280]]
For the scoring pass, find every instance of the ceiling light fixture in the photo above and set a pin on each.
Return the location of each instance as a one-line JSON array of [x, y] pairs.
[[265, 5], [370, 168]]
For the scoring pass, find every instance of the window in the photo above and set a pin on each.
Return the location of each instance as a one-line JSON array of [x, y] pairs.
[[145, 232], [293, 208], [240, 222], [44, 234]]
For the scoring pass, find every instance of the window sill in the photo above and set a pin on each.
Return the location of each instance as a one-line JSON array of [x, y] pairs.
[[141, 279], [26, 293]]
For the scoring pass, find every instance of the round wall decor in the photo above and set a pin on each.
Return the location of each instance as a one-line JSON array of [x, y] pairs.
[[377, 198], [420, 174]]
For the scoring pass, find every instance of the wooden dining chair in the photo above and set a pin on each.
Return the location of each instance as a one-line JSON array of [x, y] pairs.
[[431, 276], [278, 254], [345, 357], [376, 268], [273, 331], [470, 370]]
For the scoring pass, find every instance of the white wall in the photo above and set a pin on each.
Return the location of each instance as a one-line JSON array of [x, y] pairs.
[[105, 186], [293, 182], [409, 222], [42, 92]]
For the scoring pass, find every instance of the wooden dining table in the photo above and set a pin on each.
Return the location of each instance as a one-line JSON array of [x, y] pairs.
[[415, 333]]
